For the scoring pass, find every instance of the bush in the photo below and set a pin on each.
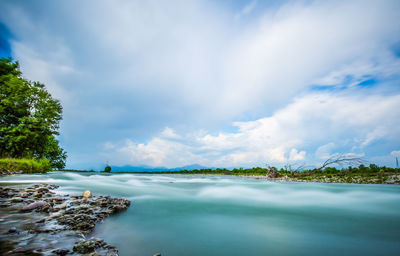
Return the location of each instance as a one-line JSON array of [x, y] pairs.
[[13, 165], [107, 169]]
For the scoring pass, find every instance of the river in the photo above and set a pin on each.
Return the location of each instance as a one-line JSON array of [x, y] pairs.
[[224, 215]]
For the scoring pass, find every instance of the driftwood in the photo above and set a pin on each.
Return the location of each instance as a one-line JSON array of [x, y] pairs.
[[342, 159]]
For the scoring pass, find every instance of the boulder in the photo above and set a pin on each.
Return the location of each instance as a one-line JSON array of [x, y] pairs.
[[32, 206]]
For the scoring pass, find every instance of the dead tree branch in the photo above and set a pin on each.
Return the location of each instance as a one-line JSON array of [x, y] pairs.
[[343, 159]]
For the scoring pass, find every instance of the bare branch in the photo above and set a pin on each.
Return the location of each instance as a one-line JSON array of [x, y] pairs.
[[343, 159]]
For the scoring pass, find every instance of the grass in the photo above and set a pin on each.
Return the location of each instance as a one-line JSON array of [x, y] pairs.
[[23, 165]]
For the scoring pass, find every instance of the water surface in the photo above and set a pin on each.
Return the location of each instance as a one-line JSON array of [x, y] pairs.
[[223, 215]]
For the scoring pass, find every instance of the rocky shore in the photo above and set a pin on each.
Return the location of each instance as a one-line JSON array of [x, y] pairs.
[[36, 220], [356, 179]]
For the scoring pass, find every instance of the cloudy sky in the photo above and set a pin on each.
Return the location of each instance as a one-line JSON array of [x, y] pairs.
[[216, 83]]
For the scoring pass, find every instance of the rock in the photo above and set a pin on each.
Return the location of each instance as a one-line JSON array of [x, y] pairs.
[[12, 230], [39, 204], [87, 194], [61, 206], [88, 246], [56, 214], [63, 213], [17, 200], [4, 205], [157, 254], [58, 199], [41, 190], [37, 194], [60, 251]]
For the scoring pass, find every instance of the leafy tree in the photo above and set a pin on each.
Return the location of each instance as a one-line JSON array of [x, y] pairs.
[[107, 169], [29, 118]]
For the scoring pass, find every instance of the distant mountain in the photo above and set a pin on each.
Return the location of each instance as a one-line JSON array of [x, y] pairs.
[[144, 168], [190, 167]]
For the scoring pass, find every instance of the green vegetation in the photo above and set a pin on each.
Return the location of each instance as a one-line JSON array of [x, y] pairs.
[[361, 174], [12, 166], [72, 170], [29, 119], [107, 169]]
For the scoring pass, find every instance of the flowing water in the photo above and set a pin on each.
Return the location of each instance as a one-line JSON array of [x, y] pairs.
[[223, 215]]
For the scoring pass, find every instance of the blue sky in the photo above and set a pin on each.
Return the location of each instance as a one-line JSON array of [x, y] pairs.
[[216, 83]]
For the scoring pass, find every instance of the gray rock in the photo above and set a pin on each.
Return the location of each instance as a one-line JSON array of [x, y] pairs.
[[88, 246], [12, 230], [17, 200], [60, 251], [32, 206], [61, 206]]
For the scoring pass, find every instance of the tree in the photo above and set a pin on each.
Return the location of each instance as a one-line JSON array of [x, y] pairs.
[[107, 169], [29, 118]]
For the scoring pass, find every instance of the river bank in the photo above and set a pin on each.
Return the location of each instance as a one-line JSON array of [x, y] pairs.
[[356, 179], [37, 220]]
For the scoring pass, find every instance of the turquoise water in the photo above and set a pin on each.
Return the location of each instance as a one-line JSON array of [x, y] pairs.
[[222, 215]]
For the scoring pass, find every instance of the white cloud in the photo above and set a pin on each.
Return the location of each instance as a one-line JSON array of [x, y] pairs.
[[395, 153], [169, 133], [324, 151], [193, 57], [307, 122], [297, 156]]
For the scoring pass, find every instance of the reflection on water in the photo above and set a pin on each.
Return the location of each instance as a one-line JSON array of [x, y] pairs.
[[222, 215]]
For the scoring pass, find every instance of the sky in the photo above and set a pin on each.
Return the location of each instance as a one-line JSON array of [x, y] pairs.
[[216, 83]]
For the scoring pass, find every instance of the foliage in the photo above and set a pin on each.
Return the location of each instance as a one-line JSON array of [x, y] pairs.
[[360, 174], [29, 118], [107, 169], [73, 170], [11, 165]]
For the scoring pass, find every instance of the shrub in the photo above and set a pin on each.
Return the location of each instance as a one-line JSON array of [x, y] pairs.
[[13, 165]]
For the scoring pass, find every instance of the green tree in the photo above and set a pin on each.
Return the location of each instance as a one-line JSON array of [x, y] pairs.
[[107, 169], [29, 118]]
